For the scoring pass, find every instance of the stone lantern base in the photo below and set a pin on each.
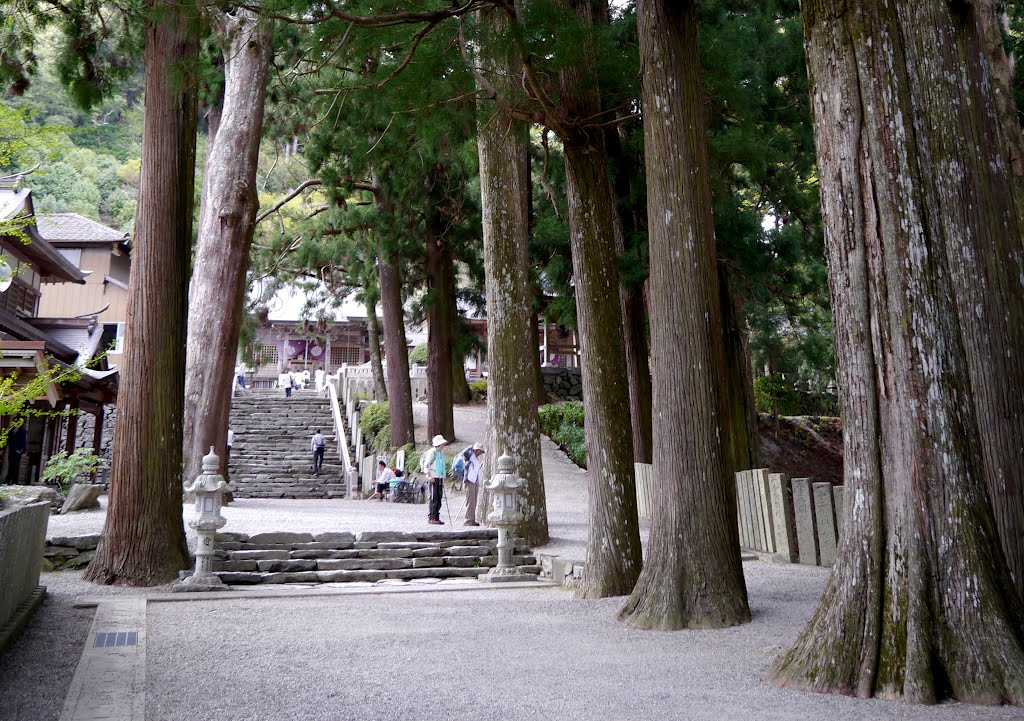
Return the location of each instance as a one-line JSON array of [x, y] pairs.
[[197, 584], [505, 575]]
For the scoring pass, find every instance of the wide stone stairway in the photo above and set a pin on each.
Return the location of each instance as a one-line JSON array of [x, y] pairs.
[[271, 457], [370, 556]]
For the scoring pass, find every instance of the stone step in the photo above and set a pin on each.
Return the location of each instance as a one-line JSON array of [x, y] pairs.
[[349, 576]]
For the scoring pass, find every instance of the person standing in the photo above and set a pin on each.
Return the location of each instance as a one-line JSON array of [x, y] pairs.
[[319, 378], [318, 445], [474, 468], [240, 375], [285, 381], [432, 464], [227, 454]]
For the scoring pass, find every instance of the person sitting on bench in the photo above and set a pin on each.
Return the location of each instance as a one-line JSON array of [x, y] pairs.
[[384, 477]]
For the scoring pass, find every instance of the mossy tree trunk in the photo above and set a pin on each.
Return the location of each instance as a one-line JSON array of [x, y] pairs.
[[396, 350], [613, 546], [226, 226], [916, 186], [143, 539], [693, 576], [512, 425]]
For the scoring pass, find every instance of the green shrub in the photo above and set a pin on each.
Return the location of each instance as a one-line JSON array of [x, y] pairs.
[[375, 424], [418, 355], [478, 389], [64, 469], [563, 423], [772, 394], [571, 439]]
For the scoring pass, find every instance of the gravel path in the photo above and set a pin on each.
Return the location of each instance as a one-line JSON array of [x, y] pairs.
[[427, 656], [36, 670]]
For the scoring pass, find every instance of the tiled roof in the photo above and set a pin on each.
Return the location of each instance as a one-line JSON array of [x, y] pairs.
[[72, 227]]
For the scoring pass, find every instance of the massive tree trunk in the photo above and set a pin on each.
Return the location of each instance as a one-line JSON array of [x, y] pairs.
[[226, 226], [740, 440], [693, 576], [440, 416], [396, 350], [613, 547], [373, 326], [915, 188], [143, 539], [512, 426]]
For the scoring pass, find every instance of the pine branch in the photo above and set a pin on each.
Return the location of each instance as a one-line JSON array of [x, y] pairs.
[[288, 198]]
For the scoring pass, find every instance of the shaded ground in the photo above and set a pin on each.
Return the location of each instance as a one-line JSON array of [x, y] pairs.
[[803, 447]]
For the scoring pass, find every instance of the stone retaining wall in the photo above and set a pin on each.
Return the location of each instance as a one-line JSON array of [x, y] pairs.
[[22, 536], [563, 383]]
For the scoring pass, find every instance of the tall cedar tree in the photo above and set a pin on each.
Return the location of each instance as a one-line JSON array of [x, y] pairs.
[[226, 226], [512, 424], [919, 173], [143, 540], [693, 576]]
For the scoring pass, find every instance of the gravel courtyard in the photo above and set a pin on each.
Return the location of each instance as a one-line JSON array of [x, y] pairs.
[[481, 655]]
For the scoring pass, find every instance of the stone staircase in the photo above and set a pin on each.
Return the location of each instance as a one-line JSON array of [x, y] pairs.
[[271, 457], [370, 556]]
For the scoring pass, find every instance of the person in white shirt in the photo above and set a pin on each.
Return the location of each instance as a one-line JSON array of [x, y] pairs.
[[318, 445], [474, 468], [231, 441], [318, 378], [240, 370], [384, 477], [285, 381]]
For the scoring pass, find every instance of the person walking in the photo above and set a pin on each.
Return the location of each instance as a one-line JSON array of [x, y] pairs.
[[474, 468], [231, 442], [285, 381], [240, 370], [318, 445], [432, 464]]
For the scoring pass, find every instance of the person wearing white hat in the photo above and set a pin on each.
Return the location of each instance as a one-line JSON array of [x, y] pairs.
[[472, 482], [432, 463]]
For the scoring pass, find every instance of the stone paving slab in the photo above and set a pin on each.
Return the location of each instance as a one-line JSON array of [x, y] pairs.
[[110, 681]]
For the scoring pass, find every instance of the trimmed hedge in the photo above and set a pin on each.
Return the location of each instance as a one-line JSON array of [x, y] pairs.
[[563, 423]]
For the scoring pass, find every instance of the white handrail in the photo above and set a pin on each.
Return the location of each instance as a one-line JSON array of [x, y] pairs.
[[339, 433]]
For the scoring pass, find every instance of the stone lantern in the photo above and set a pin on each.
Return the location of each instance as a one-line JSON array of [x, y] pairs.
[[504, 487], [209, 488]]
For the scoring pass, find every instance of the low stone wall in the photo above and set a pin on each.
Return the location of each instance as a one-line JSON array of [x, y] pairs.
[[566, 572], [69, 552], [22, 537], [563, 383]]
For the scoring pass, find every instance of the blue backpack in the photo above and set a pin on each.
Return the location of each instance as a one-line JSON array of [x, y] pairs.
[[459, 467]]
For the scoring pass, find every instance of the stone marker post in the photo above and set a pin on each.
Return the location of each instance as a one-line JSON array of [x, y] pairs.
[[209, 488], [504, 487]]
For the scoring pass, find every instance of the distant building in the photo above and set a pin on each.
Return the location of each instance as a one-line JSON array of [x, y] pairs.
[[28, 344], [104, 257]]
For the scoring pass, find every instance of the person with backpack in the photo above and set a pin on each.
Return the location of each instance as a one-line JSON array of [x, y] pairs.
[[471, 481], [432, 464], [318, 445]]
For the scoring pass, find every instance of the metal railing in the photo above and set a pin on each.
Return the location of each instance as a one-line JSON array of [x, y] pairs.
[[341, 436]]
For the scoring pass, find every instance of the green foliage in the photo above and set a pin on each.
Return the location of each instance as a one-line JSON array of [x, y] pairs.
[[17, 396], [478, 389], [412, 457], [563, 423], [64, 468], [418, 355], [773, 395], [375, 423]]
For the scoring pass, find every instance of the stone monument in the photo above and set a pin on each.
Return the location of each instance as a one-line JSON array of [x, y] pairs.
[[504, 487], [209, 488]]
